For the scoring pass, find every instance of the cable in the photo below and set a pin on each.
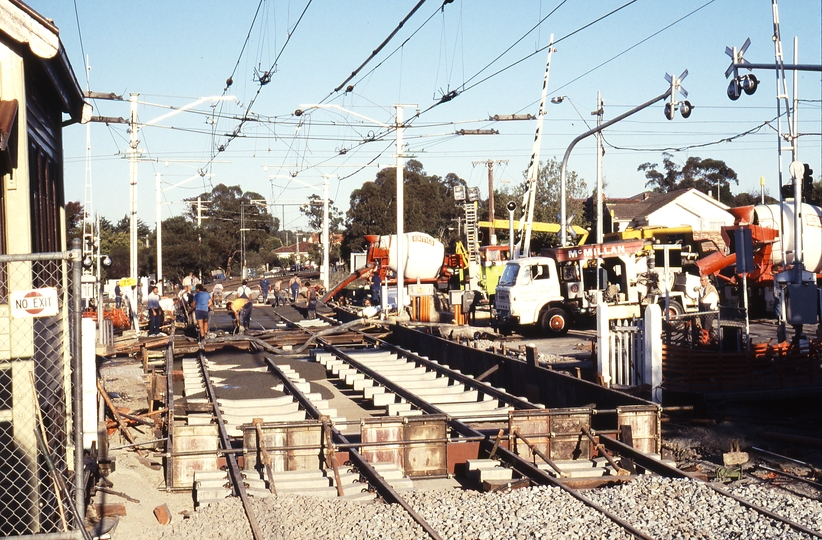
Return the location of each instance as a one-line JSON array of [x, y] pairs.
[[514, 44], [455, 93], [691, 146], [263, 80], [230, 79], [80, 36], [634, 46], [385, 42]]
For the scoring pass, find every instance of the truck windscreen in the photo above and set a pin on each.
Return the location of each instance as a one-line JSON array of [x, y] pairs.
[[509, 275]]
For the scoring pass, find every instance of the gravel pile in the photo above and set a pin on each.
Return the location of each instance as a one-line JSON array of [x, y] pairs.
[[682, 508], [538, 512], [803, 510], [298, 518], [660, 507]]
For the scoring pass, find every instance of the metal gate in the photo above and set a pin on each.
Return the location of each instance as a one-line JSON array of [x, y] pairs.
[[626, 347], [40, 425], [629, 351]]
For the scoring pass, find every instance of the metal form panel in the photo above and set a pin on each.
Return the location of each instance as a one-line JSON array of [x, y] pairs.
[[381, 431], [188, 439], [421, 448], [645, 426], [429, 456], [557, 433], [300, 443]]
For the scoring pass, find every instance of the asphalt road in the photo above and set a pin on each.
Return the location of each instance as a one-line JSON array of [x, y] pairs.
[[578, 342]]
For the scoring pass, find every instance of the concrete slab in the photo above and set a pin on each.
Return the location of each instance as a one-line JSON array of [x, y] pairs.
[[383, 399], [476, 464]]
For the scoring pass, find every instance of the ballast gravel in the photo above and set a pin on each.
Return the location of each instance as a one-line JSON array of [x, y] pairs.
[[659, 507]]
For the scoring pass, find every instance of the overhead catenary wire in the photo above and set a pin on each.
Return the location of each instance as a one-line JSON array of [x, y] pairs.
[[380, 47]]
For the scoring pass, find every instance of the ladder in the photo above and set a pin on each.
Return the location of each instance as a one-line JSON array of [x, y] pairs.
[[472, 231]]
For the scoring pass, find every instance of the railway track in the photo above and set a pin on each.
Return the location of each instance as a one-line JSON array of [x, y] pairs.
[[414, 414]]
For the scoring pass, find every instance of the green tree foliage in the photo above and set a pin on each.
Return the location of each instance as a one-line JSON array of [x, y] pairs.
[[547, 205], [227, 209], [428, 205], [702, 174], [314, 212], [180, 249], [74, 221]]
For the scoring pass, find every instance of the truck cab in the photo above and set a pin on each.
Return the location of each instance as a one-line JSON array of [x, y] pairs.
[[565, 285], [526, 290]]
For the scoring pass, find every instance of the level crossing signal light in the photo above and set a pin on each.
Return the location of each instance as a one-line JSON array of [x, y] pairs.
[[672, 105], [807, 182], [740, 83], [588, 210]]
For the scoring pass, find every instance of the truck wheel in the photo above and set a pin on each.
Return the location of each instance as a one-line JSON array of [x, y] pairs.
[[554, 322], [675, 309]]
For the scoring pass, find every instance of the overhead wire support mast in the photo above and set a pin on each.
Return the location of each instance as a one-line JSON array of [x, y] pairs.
[[797, 277]]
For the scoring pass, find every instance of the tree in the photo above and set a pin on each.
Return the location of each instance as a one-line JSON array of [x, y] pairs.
[[547, 204], [428, 205], [751, 198], [74, 221], [705, 175], [227, 209], [314, 212], [180, 253]]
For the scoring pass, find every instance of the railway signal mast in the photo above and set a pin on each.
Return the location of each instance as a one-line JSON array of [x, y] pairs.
[[798, 292]]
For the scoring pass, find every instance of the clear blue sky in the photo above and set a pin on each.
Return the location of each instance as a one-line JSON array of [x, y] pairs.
[[172, 53]]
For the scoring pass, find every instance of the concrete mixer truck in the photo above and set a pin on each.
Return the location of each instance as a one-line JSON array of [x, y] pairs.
[[772, 253], [423, 261]]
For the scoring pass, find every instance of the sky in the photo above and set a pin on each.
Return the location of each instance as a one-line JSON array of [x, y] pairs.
[[489, 56]]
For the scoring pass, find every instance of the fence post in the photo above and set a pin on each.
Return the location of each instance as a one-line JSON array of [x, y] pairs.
[[652, 357], [603, 339], [76, 257]]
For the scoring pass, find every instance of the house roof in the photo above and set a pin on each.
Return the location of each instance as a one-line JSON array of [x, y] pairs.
[[305, 247], [645, 204], [22, 25]]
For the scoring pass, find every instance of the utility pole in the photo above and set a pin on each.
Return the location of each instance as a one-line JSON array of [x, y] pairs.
[[599, 200], [132, 153], [158, 182], [600, 153], [492, 236]]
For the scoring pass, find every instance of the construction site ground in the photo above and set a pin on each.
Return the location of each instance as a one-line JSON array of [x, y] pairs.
[[692, 440]]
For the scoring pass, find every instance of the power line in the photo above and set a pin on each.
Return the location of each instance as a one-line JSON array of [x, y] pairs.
[[380, 47]]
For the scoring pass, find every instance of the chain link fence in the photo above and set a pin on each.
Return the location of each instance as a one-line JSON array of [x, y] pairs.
[[39, 405]]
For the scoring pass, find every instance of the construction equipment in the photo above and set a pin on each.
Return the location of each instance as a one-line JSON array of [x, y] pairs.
[[565, 285]]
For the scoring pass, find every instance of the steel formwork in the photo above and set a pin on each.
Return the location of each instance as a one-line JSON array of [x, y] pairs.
[[39, 390]]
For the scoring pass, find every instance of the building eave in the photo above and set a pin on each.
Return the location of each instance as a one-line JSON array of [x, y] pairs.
[[24, 26]]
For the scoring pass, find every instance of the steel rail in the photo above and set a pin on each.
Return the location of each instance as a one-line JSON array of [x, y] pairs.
[[170, 407], [383, 487], [234, 473], [463, 379], [517, 462], [663, 469]]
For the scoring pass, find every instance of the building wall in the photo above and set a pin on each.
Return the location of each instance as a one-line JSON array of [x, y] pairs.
[[17, 207]]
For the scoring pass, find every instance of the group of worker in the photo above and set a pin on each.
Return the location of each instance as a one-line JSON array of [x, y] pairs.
[[196, 306]]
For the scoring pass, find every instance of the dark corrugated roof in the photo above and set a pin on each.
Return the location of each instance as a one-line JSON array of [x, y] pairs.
[[629, 209]]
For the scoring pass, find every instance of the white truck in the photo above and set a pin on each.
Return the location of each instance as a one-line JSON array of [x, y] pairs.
[[561, 288]]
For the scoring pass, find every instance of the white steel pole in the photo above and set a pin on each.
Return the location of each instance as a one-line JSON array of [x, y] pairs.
[[400, 217], [599, 199], [326, 245], [133, 143], [242, 240], [158, 182], [798, 256]]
